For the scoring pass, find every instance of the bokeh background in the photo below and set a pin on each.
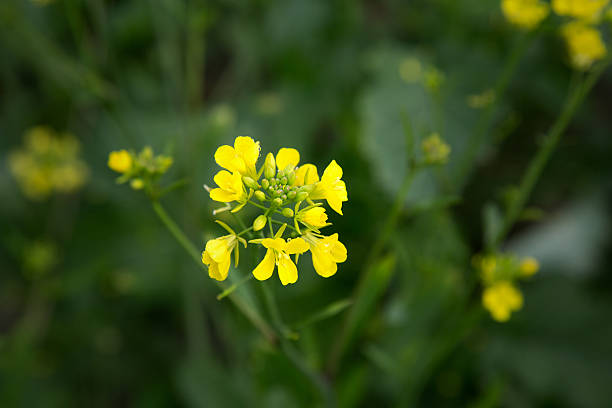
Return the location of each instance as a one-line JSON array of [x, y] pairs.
[[99, 306]]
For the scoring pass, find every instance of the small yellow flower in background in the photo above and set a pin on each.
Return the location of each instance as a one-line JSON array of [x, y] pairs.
[[410, 70], [269, 103], [327, 252], [433, 79], [435, 150], [278, 255], [589, 10], [48, 162], [481, 100], [240, 158], [584, 43], [501, 299], [120, 161], [331, 187], [529, 267], [526, 14]]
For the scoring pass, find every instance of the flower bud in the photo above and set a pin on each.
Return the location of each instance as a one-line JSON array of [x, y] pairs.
[[301, 196], [283, 197], [270, 166], [291, 177], [137, 184], [277, 202], [280, 174], [249, 182], [308, 188], [265, 183], [260, 195], [259, 222], [284, 180], [288, 212], [291, 195]]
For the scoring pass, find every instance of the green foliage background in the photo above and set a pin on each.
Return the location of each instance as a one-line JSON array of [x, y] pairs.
[[124, 318]]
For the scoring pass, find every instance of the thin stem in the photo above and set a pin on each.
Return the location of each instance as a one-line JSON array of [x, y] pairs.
[[235, 286], [258, 205], [484, 122], [271, 228], [249, 312], [574, 100], [244, 231], [282, 223], [290, 351]]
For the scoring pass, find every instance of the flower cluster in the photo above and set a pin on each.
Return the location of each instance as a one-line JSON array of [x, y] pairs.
[[435, 150], [280, 187], [141, 169], [526, 14], [48, 162], [499, 273], [584, 41]]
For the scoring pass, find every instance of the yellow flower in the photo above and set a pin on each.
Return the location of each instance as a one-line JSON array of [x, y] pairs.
[[525, 13], [501, 299], [278, 254], [314, 217], [120, 161], [331, 187], [230, 188], [217, 256], [327, 252], [529, 267], [241, 158], [581, 9], [306, 174], [436, 151], [584, 44]]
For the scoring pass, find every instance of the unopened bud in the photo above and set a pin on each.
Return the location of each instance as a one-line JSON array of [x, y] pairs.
[[260, 195], [284, 180], [259, 222], [283, 197], [280, 174], [307, 188], [301, 196], [265, 183], [249, 182], [277, 202], [291, 195], [270, 166], [137, 184], [288, 212], [291, 177]]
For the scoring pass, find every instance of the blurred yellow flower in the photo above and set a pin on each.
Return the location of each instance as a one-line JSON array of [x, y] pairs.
[[435, 150], [240, 158], [48, 162], [327, 252], [501, 299], [331, 187], [581, 9], [278, 255], [120, 161], [584, 43], [529, 267], [525, 13]]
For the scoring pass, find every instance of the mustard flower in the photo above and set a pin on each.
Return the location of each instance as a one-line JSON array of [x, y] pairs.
[[501, 299], [120, 161], [218, 255], [241, 158], [313, 217], [331, 187], [580, 9], [435, 150], [326, 252], [526, 14], [277, 254], [230, 188], [584, 44]]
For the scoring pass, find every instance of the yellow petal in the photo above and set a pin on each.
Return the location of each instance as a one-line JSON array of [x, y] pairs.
[[296, 246], [248, 149], [223, 196], [224, 180], [287, 271], [265, 268], [335, 203], [323, 263], [218, 248], [226, 157], [287, 157], [337, 249], [306, 174], [332, 173], [274, 243], [224, 267]]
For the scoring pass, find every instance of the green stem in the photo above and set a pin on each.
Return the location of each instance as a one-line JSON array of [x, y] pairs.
[[235, 286], [244, 231], [249, 312], [484, 122], [531, 176], [282, 223], [290, 351]]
